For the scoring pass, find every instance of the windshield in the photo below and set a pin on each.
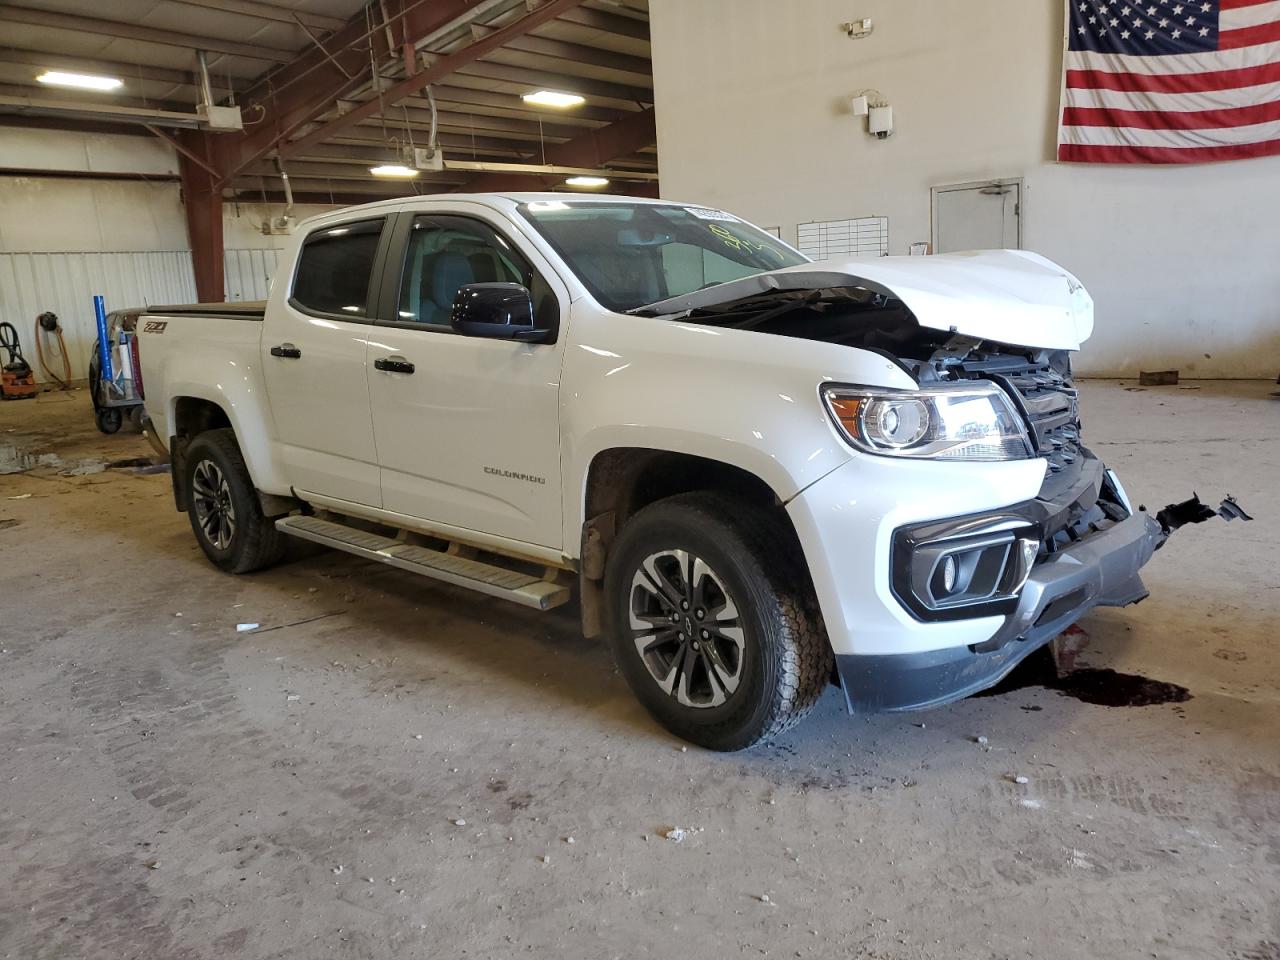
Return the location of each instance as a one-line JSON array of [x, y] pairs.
[[631, 254]]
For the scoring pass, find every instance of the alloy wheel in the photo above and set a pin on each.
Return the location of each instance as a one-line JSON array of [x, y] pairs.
[[686, 628], [211, 496]]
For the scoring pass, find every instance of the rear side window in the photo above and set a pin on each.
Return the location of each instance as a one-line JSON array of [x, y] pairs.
[[334, 268]]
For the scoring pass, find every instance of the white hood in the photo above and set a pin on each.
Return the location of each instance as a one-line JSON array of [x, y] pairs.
[[1011, 296]]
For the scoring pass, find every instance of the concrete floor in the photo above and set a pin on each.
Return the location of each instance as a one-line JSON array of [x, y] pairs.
[[172, 788]]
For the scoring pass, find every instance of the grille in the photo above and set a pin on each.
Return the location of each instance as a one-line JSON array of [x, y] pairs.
[[1053, 413]]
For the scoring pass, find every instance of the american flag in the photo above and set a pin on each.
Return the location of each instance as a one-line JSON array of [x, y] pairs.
[[1170, 81]]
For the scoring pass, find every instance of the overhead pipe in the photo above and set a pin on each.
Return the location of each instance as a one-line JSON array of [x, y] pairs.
[[288, 191], [206, 90]]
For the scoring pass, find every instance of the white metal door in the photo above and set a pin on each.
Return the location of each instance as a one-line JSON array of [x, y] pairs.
[[469, 437], [977, 216], [314, 364]]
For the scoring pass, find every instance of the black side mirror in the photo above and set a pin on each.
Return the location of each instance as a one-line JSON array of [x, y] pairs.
[[500, 310]]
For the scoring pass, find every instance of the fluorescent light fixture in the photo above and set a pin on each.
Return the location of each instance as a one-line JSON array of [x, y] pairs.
[[552, 98], [393, 170], [81, 81], [588, 181]]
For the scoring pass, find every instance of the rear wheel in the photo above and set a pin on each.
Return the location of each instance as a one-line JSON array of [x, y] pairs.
[[223, 505], [711, 623]]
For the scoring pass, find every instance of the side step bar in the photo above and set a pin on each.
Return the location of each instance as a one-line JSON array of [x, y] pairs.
[[529, 591]]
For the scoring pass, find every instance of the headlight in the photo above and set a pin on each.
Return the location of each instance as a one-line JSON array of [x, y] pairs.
[[963, 422]]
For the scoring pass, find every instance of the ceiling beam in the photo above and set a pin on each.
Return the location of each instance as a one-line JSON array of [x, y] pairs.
[[437, 70], [125, 71], [593, 149], [329, 170], [579, 53], [44, 107], [480, 122], [467, 97], [306, 88], [550, 80], [460, 143], [133, 31], [322, 197], [609, 23], [269, 11], [74, 125]]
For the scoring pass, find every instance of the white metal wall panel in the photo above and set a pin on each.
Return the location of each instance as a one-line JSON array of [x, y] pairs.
[[31, 283], [248, 273]]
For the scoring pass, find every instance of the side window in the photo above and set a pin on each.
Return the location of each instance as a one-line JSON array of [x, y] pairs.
[[447, 253], [334, 267]]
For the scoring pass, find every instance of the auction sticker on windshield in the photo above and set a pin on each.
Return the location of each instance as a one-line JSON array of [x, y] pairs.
[[706, 213]]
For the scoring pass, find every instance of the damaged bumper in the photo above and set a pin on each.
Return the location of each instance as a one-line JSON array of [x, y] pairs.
[[1101, 570], [1098, 567]]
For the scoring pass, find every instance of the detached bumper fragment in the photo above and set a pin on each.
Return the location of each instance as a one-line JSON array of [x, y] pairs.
[[1177, 515]]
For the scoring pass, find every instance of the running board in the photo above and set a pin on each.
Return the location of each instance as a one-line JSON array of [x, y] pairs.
[[526, 590]]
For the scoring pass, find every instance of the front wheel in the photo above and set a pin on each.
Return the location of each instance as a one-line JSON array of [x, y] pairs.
[[108, 419], [710, 621], [226, 514]]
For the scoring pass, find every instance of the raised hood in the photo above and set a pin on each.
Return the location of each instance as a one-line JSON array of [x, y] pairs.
[[1010, 296]]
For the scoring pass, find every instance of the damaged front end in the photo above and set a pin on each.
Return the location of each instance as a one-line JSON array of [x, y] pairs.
[[950, 323], [1041, 564]]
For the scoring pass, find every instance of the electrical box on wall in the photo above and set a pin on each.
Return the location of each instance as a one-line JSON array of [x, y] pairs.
[[880, 121]]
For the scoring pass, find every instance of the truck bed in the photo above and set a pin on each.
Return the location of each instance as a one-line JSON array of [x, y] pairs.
[[241, 310]]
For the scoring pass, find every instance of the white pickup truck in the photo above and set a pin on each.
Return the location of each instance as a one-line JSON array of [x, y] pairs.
[[763, 474]]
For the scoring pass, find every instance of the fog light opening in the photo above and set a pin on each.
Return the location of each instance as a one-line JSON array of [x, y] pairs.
[[948, 574]]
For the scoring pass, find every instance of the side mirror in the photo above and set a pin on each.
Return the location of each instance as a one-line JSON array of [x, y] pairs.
[[503, 311]]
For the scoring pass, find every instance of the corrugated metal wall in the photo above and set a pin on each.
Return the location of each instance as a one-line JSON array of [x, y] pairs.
[[248, 273], [31, 283]]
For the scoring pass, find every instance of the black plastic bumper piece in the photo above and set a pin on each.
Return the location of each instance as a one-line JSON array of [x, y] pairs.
[[916, 681], [1101, 570]]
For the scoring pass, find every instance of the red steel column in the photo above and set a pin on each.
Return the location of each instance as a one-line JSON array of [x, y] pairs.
[[202, 201]]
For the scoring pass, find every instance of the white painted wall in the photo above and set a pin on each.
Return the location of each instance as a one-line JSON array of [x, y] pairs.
[[752, 116]]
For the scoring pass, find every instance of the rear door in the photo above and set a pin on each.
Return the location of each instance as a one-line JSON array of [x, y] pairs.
[[314, 346], [467, 429]]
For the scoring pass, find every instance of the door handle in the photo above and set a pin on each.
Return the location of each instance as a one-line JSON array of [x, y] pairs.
[[393, 365], [286, 350]]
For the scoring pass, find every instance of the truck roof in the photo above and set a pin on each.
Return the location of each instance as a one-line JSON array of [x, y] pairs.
[[500, 200]]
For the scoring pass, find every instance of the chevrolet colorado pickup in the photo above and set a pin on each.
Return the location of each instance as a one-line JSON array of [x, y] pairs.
[[764, 474]]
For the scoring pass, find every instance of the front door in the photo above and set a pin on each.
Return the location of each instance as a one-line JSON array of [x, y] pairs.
[[313, 357], [467, 428]]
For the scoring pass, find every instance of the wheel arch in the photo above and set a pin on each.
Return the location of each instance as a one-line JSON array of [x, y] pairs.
[[194, 412], [621, 481]]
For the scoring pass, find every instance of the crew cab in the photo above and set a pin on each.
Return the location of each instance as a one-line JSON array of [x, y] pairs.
[[761, 474]]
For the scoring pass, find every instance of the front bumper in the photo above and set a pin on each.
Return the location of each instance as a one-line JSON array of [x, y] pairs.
[[1101, 570]]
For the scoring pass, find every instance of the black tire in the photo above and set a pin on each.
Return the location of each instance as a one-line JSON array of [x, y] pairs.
[[723, 700], [219, 489], [108, 419]]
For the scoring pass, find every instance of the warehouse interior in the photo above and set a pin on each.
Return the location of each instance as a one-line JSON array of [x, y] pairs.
[[333, 756]]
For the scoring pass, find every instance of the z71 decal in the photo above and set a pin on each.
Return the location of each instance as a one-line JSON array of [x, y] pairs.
[[154, 326]]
